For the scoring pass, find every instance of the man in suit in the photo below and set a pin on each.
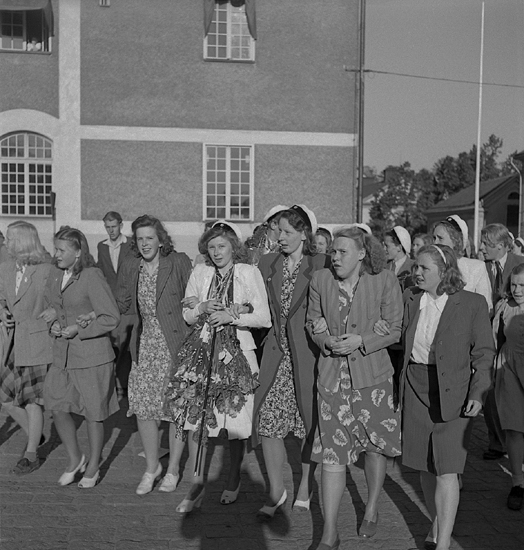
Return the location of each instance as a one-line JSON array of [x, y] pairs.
[[496, 243], [111, 254]]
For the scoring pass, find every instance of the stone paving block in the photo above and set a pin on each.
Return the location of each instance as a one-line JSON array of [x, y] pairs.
[[142, 545], [92, 534], [91, 545]]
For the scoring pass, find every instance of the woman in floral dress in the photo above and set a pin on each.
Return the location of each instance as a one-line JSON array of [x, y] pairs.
[[355, 386], [284, 402], [210, 387], [152, 286]]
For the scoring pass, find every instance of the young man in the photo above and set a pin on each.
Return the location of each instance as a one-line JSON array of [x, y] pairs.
[[111, 254], [495, 245]]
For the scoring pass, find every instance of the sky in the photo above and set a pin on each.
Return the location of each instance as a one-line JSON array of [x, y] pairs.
[[421, 121]]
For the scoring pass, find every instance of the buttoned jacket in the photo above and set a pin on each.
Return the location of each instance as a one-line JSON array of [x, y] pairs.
[[173, 275], [376, 297], [83, 293], [464, 349], [106, 265], [32, 343]]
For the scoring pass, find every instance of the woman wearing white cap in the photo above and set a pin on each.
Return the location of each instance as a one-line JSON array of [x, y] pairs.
[[284, 402], [398, 247], [453, 232], [215, 372], [265, 238]]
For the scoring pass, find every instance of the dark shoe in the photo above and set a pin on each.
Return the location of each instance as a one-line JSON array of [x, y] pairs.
[[25, 466], [430, 543], [492, 454], [515, 497], [324, 546], [368, 529]]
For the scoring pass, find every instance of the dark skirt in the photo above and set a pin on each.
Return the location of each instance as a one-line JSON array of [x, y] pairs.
[[22, 386], [429, 444]]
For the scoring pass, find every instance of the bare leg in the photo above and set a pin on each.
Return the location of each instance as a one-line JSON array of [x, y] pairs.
[[65, 426], [19, 415], [274, 456], [148, 430], [429, 484], [333, 485], [236, 453], [95, 434], [515, 446], [35, 424], [375, 471], [447, 496], [308, 472], [198, 480], [176, 448]]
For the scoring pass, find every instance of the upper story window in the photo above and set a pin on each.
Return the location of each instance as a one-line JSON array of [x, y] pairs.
[[26, 26], [26, 174], [228, 35], [228, 182]]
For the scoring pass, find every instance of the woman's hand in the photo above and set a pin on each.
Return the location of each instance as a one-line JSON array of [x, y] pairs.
[[48, 315], [319, 325], [56, 330], [211, 306], [219, 318], [381, 328], [70, 332], [7, 318], [236, 310], [346, 344], [85, 319], [472, 408], [190, 302]]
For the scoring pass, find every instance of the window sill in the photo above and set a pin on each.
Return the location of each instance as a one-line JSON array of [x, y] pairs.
[[23, 52], [241, 61]]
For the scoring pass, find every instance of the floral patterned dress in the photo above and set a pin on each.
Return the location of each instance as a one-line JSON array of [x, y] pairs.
[[279, 413], [351, 420], [146, 379]]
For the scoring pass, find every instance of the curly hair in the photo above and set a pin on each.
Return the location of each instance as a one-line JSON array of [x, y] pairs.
[[375, 259], [77, 241], [455, 236], [450, 277], [298, 224], [150, 221], [24, 244], [222, 230]]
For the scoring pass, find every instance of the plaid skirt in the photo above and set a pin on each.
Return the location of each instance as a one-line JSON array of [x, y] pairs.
[[22, 385]]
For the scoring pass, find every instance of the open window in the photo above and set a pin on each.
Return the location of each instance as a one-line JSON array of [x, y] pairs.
[[26, 25]]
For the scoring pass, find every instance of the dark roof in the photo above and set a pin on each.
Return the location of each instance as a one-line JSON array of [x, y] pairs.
[[466, 197], [371, 187]]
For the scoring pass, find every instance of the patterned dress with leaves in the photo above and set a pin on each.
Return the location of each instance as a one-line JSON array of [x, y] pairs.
[[351, 420]]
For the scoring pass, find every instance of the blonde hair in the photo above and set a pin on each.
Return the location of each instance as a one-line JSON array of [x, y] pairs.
[[24, 244]]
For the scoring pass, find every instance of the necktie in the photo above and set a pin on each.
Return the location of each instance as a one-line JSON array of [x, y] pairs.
[[497, 287]]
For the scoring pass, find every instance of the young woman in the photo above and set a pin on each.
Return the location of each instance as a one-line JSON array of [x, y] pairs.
[[81, 378], [22, 282], [215, 373], [355, 383], [284, 402], [323, 240], [509, 382], [448, 357], [152, 286], [419, 240]]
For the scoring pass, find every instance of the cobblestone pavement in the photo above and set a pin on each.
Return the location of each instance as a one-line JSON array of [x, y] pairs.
[[37, 514]]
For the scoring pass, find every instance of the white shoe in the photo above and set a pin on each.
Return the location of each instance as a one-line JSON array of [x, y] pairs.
[[169, 483], [302, 505], [187, 505], [161, 453], [68, 477], [89, 482], [146, 484], [267, 512], [228, 497]]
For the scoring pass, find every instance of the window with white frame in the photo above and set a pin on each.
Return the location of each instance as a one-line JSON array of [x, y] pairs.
[[228, 182], [25, 31], [228, 38], [26, 174]]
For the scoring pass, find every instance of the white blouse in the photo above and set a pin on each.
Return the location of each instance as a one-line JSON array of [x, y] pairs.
[[430, 312]]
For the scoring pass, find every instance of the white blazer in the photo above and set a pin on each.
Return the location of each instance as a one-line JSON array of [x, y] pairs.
[[248, 287], [476, 278]]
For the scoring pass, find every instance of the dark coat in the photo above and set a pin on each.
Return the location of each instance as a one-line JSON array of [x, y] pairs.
[[173, 275], [304, 352], [464, 348], [106, 265], [511, 261]]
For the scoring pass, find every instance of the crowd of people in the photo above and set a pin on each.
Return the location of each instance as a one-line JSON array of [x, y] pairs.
[[353, 343]]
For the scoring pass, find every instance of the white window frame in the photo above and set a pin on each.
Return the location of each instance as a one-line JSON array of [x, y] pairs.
[[227, 171], [46, 40], [230, 35], [21, 167]]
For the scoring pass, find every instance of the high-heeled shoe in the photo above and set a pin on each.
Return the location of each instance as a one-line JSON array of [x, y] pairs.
[[368, 529], [89, 482], [430, 543], [146, 484], [267, 512], [228, 497], [68, 477], [169, 483], [188, 505], [302, 505], [324, 546]]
